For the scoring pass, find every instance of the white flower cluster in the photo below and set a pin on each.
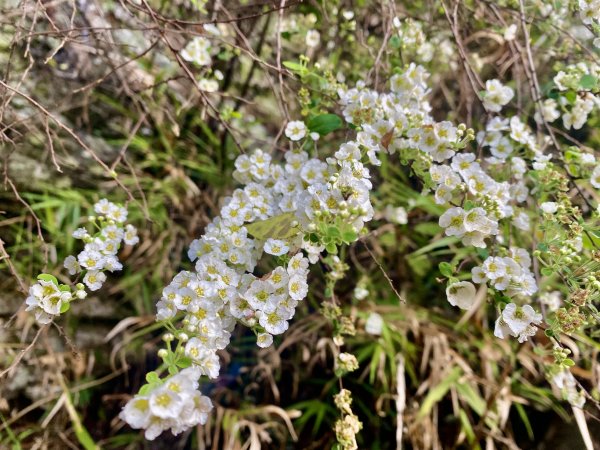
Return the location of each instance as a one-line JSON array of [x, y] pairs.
[[577, 110], [197, 51], [400, 120], [565, 381], [496, 95], [419, 46], [174, 404], [510, 274], [290, 199], [589, 10], [471, 226], [100, 251], [517, 321], [49, 299]]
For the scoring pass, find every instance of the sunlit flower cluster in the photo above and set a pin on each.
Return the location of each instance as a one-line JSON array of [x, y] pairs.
[[174, 403], [280, 213], [510, 274], [47, 298], [480, 193]]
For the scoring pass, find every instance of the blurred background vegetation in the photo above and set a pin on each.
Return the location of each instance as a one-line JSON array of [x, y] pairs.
[[91, 87]]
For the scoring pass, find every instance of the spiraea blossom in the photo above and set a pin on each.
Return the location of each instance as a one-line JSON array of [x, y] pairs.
[[48, 299], [461, 294], [285, 206], [302, 194], [295, 130], [197, 51], [173, 403], [496, 95], [517, 321]]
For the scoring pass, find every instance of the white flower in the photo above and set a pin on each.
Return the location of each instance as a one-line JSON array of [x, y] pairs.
[[276, 247], [298, 264], [461, 294], [453, 220], [197, 51], [595, 179], [519, 318], [397, 215], [264, 340], [521, 221], [130, 237], [501, 328], [71, 265], [295, 130], [510, 33], [208, 85], [374, 324], [476, 220], [94, 279], [494, 267], [360, 292], [313, 37], [80, 233], [549, 207], [104, 207], [91, 260], [206, 360], [273, 323], [137, 412], [297, 287], [551, 299], [550, 111]]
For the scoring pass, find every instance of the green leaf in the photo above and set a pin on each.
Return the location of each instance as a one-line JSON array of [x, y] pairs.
[[331, 248], [278, 227], [152, 377], [395, 42], [438, 392], [571, 96], [349, 236], [333, 232], [64, 307], [296, 67], [325, 123], [588, 82], [47, 277], [547, 271], [64, 288], [184, 362], [525, 420], [446, 269]]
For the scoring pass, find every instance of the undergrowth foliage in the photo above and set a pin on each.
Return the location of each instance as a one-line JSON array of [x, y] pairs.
[[413, 171]]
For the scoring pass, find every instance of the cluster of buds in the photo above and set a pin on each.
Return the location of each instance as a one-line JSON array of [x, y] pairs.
[[345, 363], [570, 319], [348, 425]]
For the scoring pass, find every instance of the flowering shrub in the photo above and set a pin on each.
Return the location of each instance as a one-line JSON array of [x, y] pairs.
[[408, 176]]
